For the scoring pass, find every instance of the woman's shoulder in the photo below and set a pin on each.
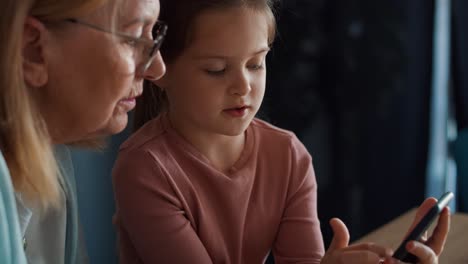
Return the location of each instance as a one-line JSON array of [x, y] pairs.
[[6, 186], [11, 250]]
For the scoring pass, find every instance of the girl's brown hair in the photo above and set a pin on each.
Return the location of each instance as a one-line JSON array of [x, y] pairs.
[[180, 16], [24, 138]]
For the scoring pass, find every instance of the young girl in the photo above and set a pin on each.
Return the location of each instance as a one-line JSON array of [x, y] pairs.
[[205, 182]]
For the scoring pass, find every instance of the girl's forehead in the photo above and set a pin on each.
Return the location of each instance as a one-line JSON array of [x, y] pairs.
[[231, 32], [228, 23]]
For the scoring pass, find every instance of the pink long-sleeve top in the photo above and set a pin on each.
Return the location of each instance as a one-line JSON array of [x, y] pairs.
[[174, 207]]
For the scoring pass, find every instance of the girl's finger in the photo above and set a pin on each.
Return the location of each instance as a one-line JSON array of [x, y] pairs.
[[438, 238], [359, 257], [374, 248], [424, 253]]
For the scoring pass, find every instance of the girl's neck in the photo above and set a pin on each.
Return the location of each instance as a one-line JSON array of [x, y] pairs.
[[221, 150]]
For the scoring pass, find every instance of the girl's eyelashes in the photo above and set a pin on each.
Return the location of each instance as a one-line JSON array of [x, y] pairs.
[[256, 67], [256, 64], [220, 69], [215, 68], [217, 72]]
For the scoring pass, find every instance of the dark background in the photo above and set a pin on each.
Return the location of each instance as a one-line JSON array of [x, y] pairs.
[[352, 78]]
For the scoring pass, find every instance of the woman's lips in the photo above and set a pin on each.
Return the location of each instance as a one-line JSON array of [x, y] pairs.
[[128, 104]]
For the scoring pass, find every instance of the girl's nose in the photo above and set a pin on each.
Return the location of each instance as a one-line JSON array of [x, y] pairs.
[[241, 86]]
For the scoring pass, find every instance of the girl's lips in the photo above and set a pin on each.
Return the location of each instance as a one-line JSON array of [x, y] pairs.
[[237, 112]]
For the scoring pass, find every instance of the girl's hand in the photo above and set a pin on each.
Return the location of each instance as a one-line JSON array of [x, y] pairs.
[[429, 250], [340, 253]]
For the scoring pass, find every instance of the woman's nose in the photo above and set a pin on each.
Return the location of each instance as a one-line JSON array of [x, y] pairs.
[[156, 70]]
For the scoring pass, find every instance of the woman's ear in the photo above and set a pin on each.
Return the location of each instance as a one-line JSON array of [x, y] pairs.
[[34, 64]]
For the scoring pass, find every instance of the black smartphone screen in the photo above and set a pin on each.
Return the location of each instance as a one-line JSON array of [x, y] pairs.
[[420, 228]]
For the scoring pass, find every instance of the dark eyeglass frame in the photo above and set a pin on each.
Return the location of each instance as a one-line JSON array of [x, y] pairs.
[[150, 46]]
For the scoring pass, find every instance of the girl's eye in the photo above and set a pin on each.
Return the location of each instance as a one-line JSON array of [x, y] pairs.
[[216, 72], [255, 67]]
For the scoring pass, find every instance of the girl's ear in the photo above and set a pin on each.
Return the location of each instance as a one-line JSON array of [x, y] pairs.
[[34, 63]]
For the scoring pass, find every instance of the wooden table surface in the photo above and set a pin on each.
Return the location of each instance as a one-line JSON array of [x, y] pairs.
[[456, 248]]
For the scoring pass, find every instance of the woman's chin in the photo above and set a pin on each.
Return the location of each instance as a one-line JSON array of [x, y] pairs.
[[115, 125]]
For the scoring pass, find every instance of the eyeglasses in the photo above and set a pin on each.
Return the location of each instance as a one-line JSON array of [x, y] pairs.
[[147, 48]]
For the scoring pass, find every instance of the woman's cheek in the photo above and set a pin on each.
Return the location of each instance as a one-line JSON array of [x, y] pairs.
[[124, 61], [129, 65]]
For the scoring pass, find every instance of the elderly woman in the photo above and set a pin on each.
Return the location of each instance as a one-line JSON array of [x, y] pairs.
[[70, 72]]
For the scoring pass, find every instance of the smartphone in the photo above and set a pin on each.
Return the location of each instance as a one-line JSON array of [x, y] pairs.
[[420, 228]]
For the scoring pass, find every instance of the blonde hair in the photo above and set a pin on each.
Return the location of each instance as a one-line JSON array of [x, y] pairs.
[[24, 139]]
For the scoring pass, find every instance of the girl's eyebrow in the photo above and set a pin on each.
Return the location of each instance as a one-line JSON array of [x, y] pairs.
[[221, 57]]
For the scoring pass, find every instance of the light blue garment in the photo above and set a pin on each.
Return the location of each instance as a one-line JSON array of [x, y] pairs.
[[14, 222], [11, 247], [69, 186]]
